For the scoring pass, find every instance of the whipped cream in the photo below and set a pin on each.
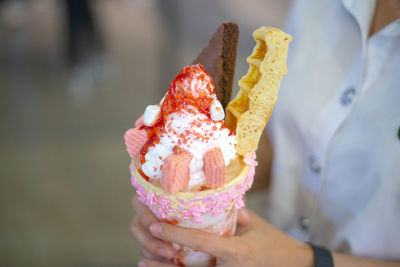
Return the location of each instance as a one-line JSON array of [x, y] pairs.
[[194, 132]]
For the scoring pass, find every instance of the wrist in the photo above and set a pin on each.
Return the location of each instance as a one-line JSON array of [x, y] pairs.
[[306, 255]]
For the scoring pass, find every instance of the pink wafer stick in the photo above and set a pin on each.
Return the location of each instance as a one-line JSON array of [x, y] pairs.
[[176, 171], [139, 121], [214, 167], [135, 139]]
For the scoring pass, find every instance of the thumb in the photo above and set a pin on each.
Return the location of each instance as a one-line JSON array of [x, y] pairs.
[[243, 217]]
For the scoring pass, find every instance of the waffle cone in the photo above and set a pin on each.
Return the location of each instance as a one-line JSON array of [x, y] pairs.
[[250, 110]]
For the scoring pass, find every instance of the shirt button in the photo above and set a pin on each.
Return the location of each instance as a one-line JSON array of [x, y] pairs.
[[314, 164], [304, 223], [398, 133], [347, 96]]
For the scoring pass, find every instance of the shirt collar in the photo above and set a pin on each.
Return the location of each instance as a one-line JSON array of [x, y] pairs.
[[393, 29], [363, 12]]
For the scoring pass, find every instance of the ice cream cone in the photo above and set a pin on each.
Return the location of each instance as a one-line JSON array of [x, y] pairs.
[[186, 123], [212, 210]]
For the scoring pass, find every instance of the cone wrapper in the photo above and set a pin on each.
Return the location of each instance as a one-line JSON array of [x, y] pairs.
[[213, 210]]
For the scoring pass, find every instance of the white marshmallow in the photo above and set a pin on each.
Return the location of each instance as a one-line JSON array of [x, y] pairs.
[[216, 110], [151, 115]]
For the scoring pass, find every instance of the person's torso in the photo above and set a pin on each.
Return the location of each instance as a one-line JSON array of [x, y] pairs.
[[336, 131]]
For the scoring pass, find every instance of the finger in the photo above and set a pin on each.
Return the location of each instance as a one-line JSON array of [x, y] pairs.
[[148, 255], [196, 239], [241, 230], [243, 222], [153, 263], [255, 219], [149, 243], [243, 217], [255, 222], [136, 204], [146, 217]]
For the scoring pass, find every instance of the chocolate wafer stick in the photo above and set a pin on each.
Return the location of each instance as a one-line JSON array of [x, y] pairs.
[[219, 58]]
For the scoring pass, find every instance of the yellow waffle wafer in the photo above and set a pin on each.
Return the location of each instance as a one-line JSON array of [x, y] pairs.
[[250, 110]]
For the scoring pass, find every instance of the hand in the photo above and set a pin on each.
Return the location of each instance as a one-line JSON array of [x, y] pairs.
[[256, 244], [152, 247]]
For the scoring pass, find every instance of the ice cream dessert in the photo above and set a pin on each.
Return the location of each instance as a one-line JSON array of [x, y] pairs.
[[184, 144], [191, 169]]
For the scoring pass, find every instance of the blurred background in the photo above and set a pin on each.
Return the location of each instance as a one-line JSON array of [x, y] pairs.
[[74, 75]]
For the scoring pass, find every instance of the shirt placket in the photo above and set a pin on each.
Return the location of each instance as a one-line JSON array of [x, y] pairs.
[[328, 122]]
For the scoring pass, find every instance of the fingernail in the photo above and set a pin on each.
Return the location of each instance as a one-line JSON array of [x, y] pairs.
[[155, 228], [165, 253], [142, 263]]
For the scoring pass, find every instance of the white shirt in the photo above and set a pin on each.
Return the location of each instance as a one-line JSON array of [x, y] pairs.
[[335, 131]]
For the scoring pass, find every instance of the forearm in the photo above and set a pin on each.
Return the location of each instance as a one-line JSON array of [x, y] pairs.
[[352, 261]]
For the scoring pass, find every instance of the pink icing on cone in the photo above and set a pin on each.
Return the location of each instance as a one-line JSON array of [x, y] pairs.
[[214, 167], [135, 140], [176, 171]]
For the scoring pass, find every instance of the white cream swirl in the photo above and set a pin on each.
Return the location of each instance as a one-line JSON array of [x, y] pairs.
[[194, 132]]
